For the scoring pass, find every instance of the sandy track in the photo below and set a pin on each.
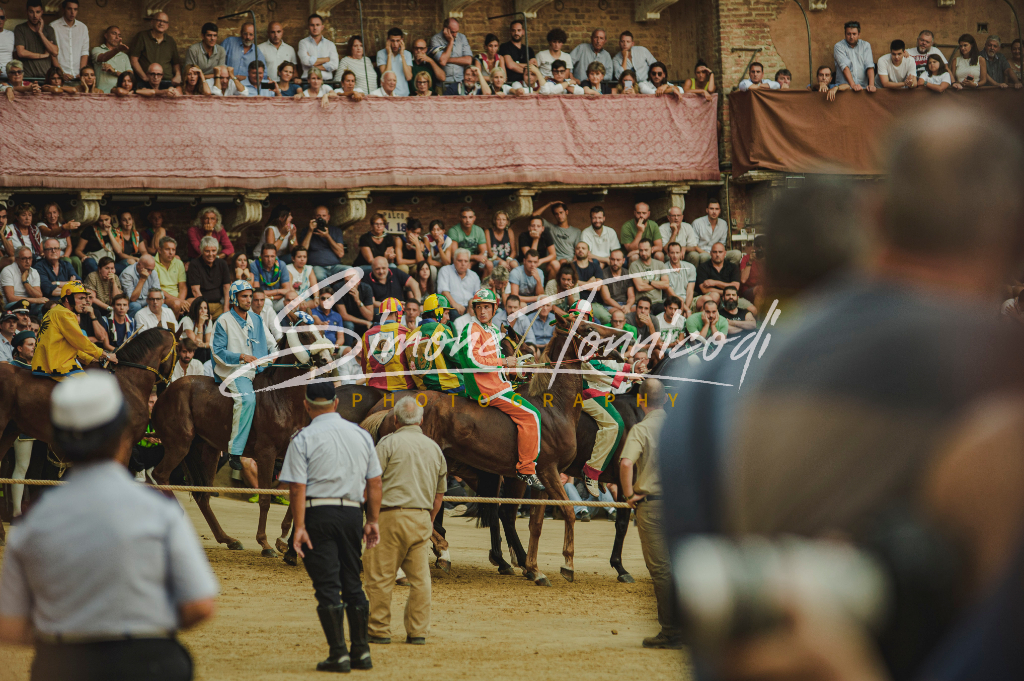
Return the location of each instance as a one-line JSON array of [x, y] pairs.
[[483, 624]]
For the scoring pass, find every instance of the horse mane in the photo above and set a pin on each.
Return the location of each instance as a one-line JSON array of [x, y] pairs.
[[139, 345], [539, 381], [371, 423]]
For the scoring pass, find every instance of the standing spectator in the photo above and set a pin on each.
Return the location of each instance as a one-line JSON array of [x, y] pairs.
[[208, 278], [209, 223], [327, 248], [499, 241], [714, 275], [619, 294], [564, 235], [171, 272], [710, 230], [998, 69], [240, 50], [423, 63], [388, 85], [20, 282], [155, 314], [527, 281], [756, 80], [187, 364], [896, 71], [752, 266], [968, 69], [111, 59], [396, 59], [136, 281], [635, 58], [271, 276], [702, 82], [920, 52], [556, 38], [784, 77], [515, 53], [275, 52], [35, 45], [585, 54], [54, 271], [72, 38], [6, 44], [316, 51], [640, 227], [470, 236], [600, 240], [738, 319], [119, 326], [148, 575], [206, 55], [855, 65], [375, 243], [682, 276], [105, 283], [451, 50], [414, 479], [197, 326], [359, 64], [156, 47], [537, 238], [677, 230], [651, 280], [457, 282]]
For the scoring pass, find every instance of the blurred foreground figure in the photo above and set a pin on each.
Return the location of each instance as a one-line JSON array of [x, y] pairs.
[[890, 418], [103, 571]]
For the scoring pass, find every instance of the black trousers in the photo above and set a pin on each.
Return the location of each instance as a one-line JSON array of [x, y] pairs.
[[333, 563], [153, 659]]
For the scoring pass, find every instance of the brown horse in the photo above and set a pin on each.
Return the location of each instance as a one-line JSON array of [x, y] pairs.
[[25, 399], [193, 419]]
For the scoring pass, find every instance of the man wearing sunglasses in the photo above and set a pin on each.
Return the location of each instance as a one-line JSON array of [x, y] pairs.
[[657, 81], [560, 83], [156, 47]]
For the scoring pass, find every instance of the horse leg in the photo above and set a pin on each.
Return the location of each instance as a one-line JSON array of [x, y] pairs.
[[621, 528], [10, 434], [439, 545], [536, 525], [495, 556], [286, 528], [265, 476], [513, 489], [207, 470], [552, 480]]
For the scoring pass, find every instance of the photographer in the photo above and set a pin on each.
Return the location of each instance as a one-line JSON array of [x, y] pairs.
[[325, 245]]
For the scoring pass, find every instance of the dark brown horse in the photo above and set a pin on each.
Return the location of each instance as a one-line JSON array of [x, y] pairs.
[[193, 419], [25, 399]]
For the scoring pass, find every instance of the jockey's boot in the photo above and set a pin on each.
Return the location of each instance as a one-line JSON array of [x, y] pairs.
[[358, 632], [591, 486], [332, 619], [532, 480], [235, 461]]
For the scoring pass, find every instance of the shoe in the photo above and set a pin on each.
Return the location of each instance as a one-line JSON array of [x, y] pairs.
[[583, 517], [592, 487], [611, 515], [280, 501], [416, 640], [235, 462], [532, 480], [291, 558], [332, 619], [663, 640], [380, 640], [458, 511], [358, 623], [254, 499]]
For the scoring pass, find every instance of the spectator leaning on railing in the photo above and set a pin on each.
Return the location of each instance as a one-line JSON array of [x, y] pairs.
[[924, 48], [855, 64], [896, 71], [756, 79], [1000, 73]]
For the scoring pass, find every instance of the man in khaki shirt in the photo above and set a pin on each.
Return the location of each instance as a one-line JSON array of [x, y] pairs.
[[414, 481], [641, 450]]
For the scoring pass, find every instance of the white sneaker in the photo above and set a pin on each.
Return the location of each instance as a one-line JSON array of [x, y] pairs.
[[592, 487], [140, 477]]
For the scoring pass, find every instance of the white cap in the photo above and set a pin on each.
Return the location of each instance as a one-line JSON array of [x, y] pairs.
[[82, 403]]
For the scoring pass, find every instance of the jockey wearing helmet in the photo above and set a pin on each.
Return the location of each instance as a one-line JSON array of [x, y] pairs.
[[62, 343], [479, 347], [239, 338], [433, 350], [383, 349]]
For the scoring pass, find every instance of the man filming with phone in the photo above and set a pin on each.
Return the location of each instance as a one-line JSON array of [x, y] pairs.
[[325, 243]]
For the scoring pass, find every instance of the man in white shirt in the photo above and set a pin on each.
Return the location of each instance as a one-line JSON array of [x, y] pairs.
[[388, 85], [396, 59], [657, 81], [896, 71], [72, 40], [757, 81], [585, 54], [316, 50], [20, 280], [6, 44], [601, 241], [559, 83], [710, 230], [110, 59], [272, 327], [925, 47], [275, 51], [225, 84], [457, 282], [631, 57], [678, 231], [186, 364], [155, 315]]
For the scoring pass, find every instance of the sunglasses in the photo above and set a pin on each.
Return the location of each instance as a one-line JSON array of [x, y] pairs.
[[14, 73]]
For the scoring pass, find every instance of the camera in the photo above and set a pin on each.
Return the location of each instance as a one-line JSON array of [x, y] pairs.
[[321, 225]]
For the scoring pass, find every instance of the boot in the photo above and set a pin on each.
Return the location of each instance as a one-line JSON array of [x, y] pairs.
[[532, 481], [332, 620], [664, 640], [358, 632], [235, 462]]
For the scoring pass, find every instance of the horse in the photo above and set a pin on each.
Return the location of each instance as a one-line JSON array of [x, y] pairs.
[[144, 359], [193, 419]]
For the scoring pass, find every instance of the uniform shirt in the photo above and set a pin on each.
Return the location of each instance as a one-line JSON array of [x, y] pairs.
[[274, 57], [234, 336], [641, 448], [120, 62], [195, 368], [145, 319], [640, 60], [857, 58], [479, 348], [141, 562], [413, 469], [6, 350], [583, 55], [602, 376], [460, 48], [72, 44], [310, 50], [61, 343], [708, 236], [332, 458]]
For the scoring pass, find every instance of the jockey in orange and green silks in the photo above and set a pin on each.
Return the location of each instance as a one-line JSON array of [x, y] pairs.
[[480, 348]]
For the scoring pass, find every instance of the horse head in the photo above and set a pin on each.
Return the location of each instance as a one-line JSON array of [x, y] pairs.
[[155, 350], [308, 346]]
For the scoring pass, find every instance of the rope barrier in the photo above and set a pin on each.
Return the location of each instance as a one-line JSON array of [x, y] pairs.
[[284, 492]]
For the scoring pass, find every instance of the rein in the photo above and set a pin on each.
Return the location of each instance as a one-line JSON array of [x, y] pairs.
[[172, 353]]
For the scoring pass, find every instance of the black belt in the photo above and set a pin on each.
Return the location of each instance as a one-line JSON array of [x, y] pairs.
[[64, 639]]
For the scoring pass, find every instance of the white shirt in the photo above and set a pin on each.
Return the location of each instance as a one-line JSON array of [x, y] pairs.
[[671, 330], [938, 80], [686, 275], [145, 319], [895, 74], [271, 327], [686, 236], [11, 276], [922, 59], [195, 368], [545, 59], [708, 236], [379, 92], [460, 288], [402, 89], [333, 458], [601, 246], [72, 44], [324, 89], [746, 83], [275, 56], [310, 50], [565, 88], [6, 50], [232, 90]]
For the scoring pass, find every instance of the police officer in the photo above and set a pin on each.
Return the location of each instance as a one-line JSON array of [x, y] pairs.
[[103, 571], [328, 466]]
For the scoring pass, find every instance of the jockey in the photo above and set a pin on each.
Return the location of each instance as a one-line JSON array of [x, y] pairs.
[[433, 349], [239, 338], [600, 378], [62, 343], [383, 346], [479, 348]]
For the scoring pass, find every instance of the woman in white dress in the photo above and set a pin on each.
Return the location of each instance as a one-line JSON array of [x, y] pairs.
[[966, 65]]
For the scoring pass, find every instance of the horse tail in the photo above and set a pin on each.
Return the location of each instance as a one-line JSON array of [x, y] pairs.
[[487, 486], [371, 423], [193, 464]]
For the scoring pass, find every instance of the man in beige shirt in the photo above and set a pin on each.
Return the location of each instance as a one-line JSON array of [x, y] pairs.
[[641, 450], [414, 482]]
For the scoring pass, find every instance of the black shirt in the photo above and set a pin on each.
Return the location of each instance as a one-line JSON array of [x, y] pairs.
[[737, 315], [526, 243], [365, 297], [376, 250], [393, 286], [518, 55], [706, 270], [92, 241], [618, 290], [211, 279], [590, 271]]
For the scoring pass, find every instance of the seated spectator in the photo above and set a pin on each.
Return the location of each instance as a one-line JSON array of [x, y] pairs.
[[710, 230], [35, 43], [155, 314], [440, 246], [254, 85], [751, 266], [708, 322], [997, 68], [489, 59], [19, 281], [457, 282], [207, 55], [756, 79], [897, 71], [936, 77], [360, 66], [410, 247], [545, 59], [426, 278], [739, 320], [920, 52], [600, 240], [671, 324], [631, 57], [87, 82], [784, 78], [587, 269], [226, 84], [105, 283], [538, 332], [326, 317], [356, 309], [280, 231], [125, 86], [501, 88], [641, 227], [702, 82], [327, 248], [209, 278], [390, 282], [24, 232], [619, 322], [348, 88], [651, 281], [538, 238], [469, 235], [564, 280], [272, 277], [301, 276], [95, 243], [526, 282], [110, 59], [388, 85], [715, 275], [560, 84], [471, 84], [594, 79], [677, 230], [155, 232], [682, 276], [54, 271], [855, 65], [423, 63], [564, 235], [288, 83], [967, 68], [642, 319], [826, 85], [90, 324], [239, 266], [376, 243], [499, 242], [137, 280], [154, 82], [187, 364], [119, 326], [209, 223], [1015, 59], [171, 272], [585, 55], [193, 84], [618, 294], [423, 85], [197, 326], [627, 84], [54, 83], [657, 81], [16, 84]]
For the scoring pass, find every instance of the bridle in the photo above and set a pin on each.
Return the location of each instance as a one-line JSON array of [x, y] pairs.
[[172, 354]]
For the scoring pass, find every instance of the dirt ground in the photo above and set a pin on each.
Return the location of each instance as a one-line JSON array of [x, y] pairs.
[[483, 625]]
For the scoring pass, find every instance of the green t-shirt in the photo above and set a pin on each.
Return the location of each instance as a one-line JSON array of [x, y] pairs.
[[472, 242], [694, 323], [628, 232]]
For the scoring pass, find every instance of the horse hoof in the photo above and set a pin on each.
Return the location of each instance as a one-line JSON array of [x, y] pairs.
[[444, 565], [543, 581], [235, 545], [269, 553], [626, 578], [532, 576], [568, 574], [506, 571], [281, 545], [291, 558]]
